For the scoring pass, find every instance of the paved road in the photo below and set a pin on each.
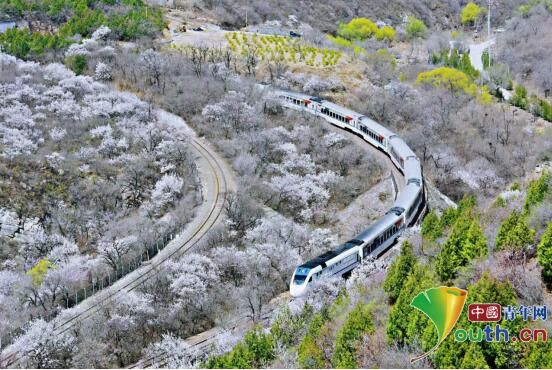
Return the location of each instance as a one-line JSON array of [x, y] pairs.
[[476, 52]]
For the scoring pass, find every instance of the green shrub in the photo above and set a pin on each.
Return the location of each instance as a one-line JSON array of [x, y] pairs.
[[454, 80], [415, 28], [543, 109], [398, 271], [24, 44], [357, 29], [77, 63], [255, 351], [485, 59], [514, 233], [536, 191], [83, 24], [519, 99], [499, 202], [385, 33], [358, 323], [544, 251], [470, 13]]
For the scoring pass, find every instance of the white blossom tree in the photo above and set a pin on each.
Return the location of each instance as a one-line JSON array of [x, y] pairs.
[[114, 251], [166, 191], [172, 352], [38, 347], [102, 72]]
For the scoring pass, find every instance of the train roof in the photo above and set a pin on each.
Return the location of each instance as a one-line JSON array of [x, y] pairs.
[[340, 109], [379, 129], [296, 94], [407, 197], [327, 104], [413, 169], [323, 258], [400, 147], [370, 123], [377, 227]]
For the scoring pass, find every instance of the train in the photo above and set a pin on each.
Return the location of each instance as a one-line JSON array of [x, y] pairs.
[[382, 234]]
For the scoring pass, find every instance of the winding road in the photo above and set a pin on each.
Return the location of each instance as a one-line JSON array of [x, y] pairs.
[[476, 54]]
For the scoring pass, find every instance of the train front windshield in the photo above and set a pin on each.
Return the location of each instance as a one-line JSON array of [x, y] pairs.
[[300, 275]]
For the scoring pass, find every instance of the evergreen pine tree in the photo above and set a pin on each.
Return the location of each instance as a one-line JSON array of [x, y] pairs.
[[358, 323], [452, 255], [475, 244], [398, 271], [514, 233], [544, 250], [406, 324]]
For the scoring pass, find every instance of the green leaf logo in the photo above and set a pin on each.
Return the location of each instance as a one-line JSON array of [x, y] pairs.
[[443, 306]]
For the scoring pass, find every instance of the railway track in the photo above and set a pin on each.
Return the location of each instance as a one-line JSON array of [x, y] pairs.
[[214, 193], [204, 341]]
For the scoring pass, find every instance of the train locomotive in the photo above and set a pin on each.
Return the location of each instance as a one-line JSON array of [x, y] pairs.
[[382, 234]]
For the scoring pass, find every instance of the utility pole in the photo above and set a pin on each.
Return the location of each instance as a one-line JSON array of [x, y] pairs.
[[489, 32]]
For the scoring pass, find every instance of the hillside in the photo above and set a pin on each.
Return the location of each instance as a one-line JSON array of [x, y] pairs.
[[103, 102]]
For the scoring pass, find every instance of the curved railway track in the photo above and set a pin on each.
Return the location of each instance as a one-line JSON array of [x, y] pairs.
[[203, 341], [214, 194]]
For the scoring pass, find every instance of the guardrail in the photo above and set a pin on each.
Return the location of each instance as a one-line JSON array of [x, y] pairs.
[[122, 270]]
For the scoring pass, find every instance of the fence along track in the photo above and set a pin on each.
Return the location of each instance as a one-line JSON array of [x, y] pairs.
[[213, 216]]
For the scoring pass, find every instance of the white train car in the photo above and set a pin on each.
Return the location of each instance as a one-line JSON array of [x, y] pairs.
[[379, 236]]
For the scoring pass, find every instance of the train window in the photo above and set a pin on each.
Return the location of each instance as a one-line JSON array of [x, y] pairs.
[[299, 279]]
